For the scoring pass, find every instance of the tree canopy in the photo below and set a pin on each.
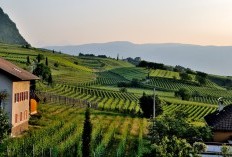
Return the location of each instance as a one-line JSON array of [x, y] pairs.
[[171, 136], [183, 93], [146, 104]]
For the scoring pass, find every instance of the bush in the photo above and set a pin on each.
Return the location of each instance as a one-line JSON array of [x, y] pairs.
[[56, 64]]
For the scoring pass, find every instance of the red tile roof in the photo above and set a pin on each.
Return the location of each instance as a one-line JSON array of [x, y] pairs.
[[16, 71]]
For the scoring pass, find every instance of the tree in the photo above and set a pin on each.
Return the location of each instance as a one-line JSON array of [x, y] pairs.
[[50, 80], [28, 60], [184, 76], [56, 64], [146, 104], [43, 71], [86, 136], [117, 57], [4, 125], [40, 57], [201, 77], [123, 89], [135, 83], [172, 147], [183, 93], [170, 136], [177, 125], [201, 80], [46, 62]]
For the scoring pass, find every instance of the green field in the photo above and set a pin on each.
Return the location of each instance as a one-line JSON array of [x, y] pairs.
[[60, 132]]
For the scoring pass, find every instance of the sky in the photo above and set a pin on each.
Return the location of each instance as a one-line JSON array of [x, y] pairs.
[[75, 22]]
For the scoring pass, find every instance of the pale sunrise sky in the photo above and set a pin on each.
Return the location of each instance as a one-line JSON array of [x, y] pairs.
[[66, 22]]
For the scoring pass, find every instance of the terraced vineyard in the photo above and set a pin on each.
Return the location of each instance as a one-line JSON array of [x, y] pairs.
[[61, 131], [106, 99], [131, 73], [195, 111], [164, 74], [174, 85]]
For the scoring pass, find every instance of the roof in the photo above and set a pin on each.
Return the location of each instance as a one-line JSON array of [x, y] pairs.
[[16, 71], [220, 120]]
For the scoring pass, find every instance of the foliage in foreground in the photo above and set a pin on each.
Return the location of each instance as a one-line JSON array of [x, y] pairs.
[[4, 125], [171, 135]]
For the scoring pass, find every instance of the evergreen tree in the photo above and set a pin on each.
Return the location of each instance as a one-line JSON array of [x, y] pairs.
[[86, 136], [50, 80], [117, 57], [28, 60], [46, 61]]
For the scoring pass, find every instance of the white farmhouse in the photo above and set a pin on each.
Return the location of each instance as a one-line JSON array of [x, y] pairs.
[[16, 82]]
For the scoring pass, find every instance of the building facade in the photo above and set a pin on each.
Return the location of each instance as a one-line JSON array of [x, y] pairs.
[[16, 83]]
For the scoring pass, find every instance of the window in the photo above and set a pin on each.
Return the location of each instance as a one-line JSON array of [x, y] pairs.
[[21, 116], [16, 118], [27, 97], [22, 96], [25, 114]]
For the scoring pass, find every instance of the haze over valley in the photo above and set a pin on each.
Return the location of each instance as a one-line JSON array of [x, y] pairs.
[[210, 59]]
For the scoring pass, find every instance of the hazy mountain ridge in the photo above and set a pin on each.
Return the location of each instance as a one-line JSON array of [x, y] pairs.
[[8, 31], [210, 59]]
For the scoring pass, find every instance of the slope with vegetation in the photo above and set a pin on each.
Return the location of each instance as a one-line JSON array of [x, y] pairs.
[[9, 32], [116, 86]]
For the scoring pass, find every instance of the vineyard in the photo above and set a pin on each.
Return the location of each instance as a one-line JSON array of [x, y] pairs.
[[118, 129], [106, 99], [195, 111], [61, 131]]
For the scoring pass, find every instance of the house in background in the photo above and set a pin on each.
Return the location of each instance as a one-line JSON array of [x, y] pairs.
[[16, 82], [221, 123]]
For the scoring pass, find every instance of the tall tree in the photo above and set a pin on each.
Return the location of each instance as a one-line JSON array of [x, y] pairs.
[[146, 104], [86, 136], [50, 80], [46, 61], [28, 60], [40, 57]]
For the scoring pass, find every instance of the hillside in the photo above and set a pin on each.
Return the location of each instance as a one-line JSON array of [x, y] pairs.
[[213, 59], [9, 32], [117, 125], [96, 80]]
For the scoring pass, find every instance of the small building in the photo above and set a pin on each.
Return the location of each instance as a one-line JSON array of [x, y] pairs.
[[16, 82], [221, 123]]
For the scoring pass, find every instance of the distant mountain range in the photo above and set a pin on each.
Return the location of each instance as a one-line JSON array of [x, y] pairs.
[[8, 31], [210, 59]]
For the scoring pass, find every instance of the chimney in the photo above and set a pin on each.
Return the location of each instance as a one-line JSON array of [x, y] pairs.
[[220, 104]]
